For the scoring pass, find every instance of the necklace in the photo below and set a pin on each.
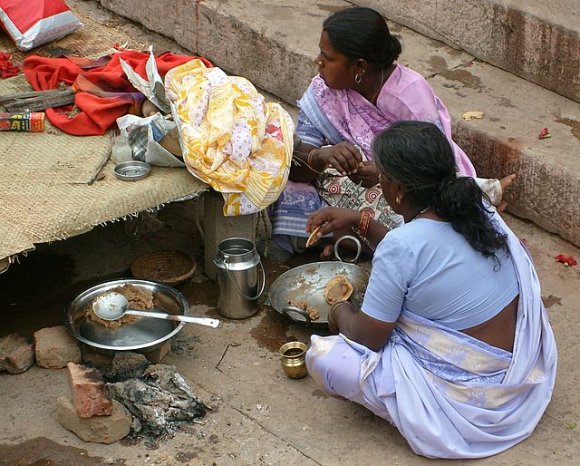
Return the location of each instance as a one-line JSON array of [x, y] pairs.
[[421, 212]]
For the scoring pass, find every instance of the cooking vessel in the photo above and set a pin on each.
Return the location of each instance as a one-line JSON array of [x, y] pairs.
[[305, 285], [142, 335]]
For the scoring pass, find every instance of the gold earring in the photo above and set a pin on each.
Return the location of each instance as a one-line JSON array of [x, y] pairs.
[[397, 200], [319, 63], [357, 78]]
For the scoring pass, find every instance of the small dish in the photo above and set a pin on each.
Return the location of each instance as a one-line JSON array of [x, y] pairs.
[[132, 170]]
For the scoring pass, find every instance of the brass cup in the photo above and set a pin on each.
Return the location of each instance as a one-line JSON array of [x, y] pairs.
[[293, 359]]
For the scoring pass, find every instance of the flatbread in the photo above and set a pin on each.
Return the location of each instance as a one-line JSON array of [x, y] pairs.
[[312, 239], [338, 288]]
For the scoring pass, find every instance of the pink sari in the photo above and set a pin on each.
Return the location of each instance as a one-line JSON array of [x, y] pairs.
[[406, 95], [329, 116]]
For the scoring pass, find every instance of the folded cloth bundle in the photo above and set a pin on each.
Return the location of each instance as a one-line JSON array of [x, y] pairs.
[[231, 138]]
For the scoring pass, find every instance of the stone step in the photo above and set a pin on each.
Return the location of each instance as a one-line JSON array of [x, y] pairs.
[[538, 40], [273, 44]]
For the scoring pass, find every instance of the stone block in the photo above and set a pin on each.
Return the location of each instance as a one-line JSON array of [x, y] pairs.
[[159, 353], [128, 365], [217, 228], [89, 394], [98, 429], [55, 348], [16, 353], [94, 358], [537, 43]]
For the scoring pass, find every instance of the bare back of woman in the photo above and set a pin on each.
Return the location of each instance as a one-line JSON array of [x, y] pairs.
[[500, 330]]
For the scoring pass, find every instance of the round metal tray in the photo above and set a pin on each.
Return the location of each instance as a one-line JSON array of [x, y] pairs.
[[132, 170], [306, 284], [145, 334]]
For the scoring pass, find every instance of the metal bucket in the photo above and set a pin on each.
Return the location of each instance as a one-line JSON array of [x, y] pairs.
[[238, 279]]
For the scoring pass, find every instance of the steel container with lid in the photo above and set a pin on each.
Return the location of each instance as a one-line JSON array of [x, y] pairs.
[[238, 278]]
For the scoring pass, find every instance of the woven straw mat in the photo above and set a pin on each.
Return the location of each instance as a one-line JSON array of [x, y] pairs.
[[54, 186]]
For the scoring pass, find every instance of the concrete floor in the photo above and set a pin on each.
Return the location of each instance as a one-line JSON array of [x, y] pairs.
[[259, 416]]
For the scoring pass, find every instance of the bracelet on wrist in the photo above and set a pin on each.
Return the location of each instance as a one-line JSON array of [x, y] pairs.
[[310, 159], [333, 308], [364, 223]]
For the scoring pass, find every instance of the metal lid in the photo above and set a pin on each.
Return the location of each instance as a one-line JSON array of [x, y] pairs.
[[132, 170]]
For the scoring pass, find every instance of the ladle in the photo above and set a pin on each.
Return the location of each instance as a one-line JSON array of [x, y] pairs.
[[113, 306]]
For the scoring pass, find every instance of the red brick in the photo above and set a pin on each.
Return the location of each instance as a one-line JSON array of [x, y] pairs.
[[89, 394], [16, 353]]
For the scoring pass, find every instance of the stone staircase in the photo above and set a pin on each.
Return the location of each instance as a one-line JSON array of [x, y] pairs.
[[517, 61]]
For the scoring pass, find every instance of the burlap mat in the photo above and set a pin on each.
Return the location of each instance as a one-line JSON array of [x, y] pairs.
[[53, 185]]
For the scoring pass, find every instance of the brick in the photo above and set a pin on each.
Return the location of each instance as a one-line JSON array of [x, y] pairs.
[[159, 353], [128, 365], [98, 429], [92, 357], [55, 348], [16, 353], [89, 394]]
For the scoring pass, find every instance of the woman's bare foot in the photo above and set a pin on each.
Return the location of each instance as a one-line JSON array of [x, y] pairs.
[[506, 181], [327, 252], [502, 206]]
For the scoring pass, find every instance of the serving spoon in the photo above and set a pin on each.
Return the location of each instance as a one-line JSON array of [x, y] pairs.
[[113, 306]]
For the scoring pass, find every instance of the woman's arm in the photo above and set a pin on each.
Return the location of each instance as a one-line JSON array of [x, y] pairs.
[[342, 222], [357, 326], [300, 170], [344, 157]]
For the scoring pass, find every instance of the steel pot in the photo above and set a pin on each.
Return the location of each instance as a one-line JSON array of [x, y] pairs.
[[143, 335]]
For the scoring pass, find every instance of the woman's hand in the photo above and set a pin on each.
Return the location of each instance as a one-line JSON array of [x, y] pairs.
[[367, 175], [343, 157], [333, 220]]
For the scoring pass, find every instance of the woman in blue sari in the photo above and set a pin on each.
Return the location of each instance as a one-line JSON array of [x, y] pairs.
[[452, 343]]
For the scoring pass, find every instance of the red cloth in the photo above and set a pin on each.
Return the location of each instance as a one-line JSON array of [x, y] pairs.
[[103, 92]]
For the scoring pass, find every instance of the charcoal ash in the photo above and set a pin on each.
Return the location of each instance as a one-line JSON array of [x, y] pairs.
[[161, 401]]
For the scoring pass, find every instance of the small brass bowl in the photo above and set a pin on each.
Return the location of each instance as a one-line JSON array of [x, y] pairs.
[[293, 360]]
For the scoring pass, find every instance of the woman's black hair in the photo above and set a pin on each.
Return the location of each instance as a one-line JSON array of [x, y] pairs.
[[362, 33], [418, 156]]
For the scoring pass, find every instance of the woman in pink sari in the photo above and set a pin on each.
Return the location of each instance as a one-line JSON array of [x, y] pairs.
[[359, 92]]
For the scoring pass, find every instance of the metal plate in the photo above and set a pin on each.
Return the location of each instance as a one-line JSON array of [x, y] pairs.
[[142, 334], [306, 284], [132, 170]]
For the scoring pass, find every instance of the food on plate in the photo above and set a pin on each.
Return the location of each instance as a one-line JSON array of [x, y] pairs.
[[337, 289], [313, 313], [137, 298]]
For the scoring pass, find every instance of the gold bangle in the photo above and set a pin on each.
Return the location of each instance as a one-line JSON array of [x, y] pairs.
[[334, 307], [310, 159]]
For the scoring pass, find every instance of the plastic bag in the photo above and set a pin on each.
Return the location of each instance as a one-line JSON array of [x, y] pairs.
[[143, 136], [31, 23]]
